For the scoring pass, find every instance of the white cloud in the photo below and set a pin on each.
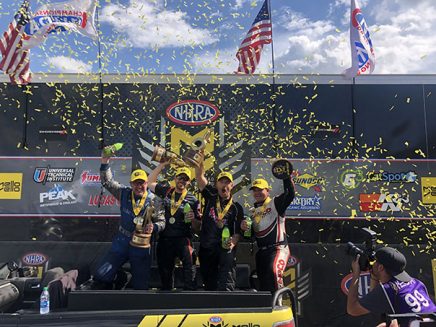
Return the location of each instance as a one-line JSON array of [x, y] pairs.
[[150, 26], [64, 64]]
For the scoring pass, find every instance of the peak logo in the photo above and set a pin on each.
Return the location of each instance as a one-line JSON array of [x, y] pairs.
[[192, 112], [56, 196]]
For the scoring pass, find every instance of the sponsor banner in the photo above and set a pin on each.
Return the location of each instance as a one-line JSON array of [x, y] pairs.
[[428, 189], [64, 186], [347, 189], [11, 185]]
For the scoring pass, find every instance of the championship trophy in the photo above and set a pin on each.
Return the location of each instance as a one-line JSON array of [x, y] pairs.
[[160, 154], [140, 237], [193, 156], [282, 169]]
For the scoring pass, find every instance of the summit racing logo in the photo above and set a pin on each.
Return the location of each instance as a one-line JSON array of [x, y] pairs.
[[88, 178], [192, 112], [385, 176], [53, 175], [309, 181], [56, 196], [382, 202]]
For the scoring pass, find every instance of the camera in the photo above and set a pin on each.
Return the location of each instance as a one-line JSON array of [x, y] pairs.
[[366, 252]]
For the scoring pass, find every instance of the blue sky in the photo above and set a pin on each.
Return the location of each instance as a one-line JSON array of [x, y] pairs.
[[187, 36]]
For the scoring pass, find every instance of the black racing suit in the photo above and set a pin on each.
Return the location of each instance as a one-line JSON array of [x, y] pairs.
[[218, 265], [270, 234], [175, 241]]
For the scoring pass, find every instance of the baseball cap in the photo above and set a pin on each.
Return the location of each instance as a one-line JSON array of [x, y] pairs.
[[138, 174], [184, 170], [259, 183], [225, 174], [394, 262]]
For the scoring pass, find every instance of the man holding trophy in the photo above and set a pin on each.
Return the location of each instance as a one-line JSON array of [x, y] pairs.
[[220, 230], [141, 216], [268, 225], [182, 216]]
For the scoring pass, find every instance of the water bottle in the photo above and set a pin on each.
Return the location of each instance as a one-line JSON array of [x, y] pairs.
[[110, 150], [186, 210], [44, 302], [247, 233], [225, 236]]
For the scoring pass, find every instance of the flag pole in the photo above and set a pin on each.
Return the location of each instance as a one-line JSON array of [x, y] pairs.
[[274, 109], [100, 77]]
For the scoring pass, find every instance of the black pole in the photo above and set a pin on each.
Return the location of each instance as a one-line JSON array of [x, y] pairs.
[[353, 139], [26, 116]]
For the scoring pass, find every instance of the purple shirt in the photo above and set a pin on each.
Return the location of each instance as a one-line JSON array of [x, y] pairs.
[[410, 297]]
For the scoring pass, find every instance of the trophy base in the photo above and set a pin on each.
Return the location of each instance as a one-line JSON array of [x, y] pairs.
[[141, 240], [192, 158]]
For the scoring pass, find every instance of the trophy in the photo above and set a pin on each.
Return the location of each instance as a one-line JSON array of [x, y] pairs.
[[193, 157], [282, 169], [160, 154], [140, 238]]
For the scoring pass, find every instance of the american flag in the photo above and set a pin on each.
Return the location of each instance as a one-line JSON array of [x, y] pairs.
[[259, 34], [15, 62]]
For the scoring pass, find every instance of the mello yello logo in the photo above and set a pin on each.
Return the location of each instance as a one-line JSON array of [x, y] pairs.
[[11, 186]]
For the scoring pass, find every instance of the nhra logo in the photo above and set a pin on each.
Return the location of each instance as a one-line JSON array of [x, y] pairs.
[[34, 259], [192, 112], [364, 281], [215, 321]]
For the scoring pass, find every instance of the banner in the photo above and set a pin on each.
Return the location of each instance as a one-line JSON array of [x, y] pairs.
[[75, 15]]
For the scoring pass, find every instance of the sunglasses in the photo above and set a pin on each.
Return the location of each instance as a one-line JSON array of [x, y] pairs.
[[183, 178]]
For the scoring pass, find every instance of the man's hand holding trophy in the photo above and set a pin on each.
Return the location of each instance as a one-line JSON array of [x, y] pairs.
[[143, 229]]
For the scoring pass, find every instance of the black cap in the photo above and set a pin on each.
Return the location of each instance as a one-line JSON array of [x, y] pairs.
[[394, 262]]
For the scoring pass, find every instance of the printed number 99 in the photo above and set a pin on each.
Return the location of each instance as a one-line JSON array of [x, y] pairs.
[[416, 300]]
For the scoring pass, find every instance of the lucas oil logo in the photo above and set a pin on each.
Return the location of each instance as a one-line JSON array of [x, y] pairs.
[[192, 112]]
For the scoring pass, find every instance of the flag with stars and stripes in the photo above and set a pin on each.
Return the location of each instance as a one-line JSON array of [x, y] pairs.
[[259, 34], [15, 61]]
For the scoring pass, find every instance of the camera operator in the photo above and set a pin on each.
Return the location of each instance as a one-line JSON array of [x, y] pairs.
[[392, 290]]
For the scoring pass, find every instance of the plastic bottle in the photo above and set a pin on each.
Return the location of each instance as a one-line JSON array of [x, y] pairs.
[[247, 233], [44, 302], [225, 236], [110, 150], [186, 210]]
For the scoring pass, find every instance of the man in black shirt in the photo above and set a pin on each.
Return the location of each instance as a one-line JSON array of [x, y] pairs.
[[175, 241], [218, 264], [268, 224]]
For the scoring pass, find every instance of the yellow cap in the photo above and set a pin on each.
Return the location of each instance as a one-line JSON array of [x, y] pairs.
[[260, 183], [225, 174], [138, 174], [184, 170]]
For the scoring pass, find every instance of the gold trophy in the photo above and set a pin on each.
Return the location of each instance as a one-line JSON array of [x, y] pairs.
[[193, 157], [140, 238], [160, 154]]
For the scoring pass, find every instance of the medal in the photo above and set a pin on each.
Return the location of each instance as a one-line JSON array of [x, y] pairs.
[[175, 205], [258, 212], [220, 224], [172, 220], [138, 206]]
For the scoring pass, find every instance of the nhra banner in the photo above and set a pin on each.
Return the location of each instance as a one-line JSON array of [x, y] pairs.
[[75, 15]]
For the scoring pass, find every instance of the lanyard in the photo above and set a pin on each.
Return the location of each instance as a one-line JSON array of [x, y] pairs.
[[137, 207], [221, 212], [258, 212], [175, 205]]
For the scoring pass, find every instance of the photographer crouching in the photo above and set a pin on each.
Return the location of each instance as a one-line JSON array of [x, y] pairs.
[[392, 290]]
